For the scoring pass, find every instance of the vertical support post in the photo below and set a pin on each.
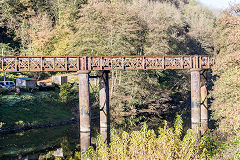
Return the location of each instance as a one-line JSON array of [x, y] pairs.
[[104, 106], [84, 110], [204, 105], [195, 99], [28, 63]]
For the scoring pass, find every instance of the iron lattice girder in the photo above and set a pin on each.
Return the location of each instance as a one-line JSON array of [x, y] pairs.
[[33, 64]]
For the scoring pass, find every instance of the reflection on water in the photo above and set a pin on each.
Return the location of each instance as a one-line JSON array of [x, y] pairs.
[[30, 144]]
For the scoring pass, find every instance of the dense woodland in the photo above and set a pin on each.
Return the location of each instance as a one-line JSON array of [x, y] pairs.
[[140, 27]]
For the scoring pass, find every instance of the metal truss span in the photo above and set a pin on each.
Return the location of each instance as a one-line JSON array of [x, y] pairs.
[[34, 64]]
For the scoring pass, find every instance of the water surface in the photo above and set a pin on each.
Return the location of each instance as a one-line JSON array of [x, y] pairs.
[[39, 141]]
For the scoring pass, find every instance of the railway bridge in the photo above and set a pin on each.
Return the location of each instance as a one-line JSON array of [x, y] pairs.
[[197, 64]]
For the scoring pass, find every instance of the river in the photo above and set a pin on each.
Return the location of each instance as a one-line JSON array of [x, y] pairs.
[[33, 143]]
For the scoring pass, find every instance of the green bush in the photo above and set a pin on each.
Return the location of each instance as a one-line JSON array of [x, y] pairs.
[[66, 92]]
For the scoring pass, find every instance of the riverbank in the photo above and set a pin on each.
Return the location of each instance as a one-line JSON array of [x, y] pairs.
[[33, 110]]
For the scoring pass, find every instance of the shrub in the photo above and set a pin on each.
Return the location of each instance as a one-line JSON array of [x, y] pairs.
[[167, 143], [66, 92]]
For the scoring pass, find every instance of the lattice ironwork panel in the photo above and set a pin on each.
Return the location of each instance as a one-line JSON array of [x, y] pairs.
[[48, 64], [27, 64], [154, 62], [9, 64], [73, 64], [133, 63], [205, 62], [23, 64], [187, 62], [36, 64], [173, 62], [95, 63], [60, 64], [113, 63]]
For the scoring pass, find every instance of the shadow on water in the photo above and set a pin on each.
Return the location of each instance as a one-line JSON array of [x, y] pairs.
[[39, 141]]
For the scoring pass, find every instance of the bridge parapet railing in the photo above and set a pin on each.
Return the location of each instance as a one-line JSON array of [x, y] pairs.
[[71, 63]]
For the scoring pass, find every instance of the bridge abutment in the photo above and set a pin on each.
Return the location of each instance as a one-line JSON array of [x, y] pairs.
[[84, 110], [104, 106]]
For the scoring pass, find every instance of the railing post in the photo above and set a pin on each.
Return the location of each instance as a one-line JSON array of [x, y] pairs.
[[104, 106], [204, 105], [195, 100], [84, 110]]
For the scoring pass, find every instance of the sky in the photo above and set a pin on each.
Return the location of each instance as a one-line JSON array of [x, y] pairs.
[[218, 4]]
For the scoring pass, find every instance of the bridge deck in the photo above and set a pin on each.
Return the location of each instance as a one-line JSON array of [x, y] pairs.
[[72, 63]]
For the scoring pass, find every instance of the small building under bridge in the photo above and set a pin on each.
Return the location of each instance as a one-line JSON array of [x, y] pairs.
[[26, 82]]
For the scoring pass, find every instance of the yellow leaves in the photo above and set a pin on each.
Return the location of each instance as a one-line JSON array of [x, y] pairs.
[[40, 31], [146, 145], [2, 124], [178, 125]]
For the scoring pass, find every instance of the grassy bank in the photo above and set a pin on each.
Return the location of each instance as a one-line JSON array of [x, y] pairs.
[[32, 109]]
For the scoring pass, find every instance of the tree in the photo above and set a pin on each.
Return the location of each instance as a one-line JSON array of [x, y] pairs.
[[164, 27], [226, 104], [201, 22], [39, 31], [106, 29]]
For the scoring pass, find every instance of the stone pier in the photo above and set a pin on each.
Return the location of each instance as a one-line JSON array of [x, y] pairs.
[[104, 106], [195, 99], [84, 110], [204, 105]]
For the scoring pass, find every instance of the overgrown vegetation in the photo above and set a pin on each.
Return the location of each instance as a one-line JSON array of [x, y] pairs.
[[167, 143]]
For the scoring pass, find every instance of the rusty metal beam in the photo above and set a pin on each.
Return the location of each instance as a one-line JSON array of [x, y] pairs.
[[35, 64], [84, 110], [104, 106]]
